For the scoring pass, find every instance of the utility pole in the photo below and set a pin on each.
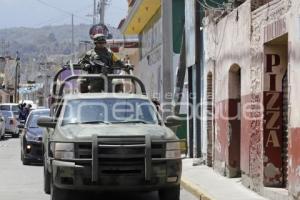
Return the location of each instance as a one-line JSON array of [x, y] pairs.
[[95, 12], [101, 7], [167, 81], [73, 51], [17, 78], [199, 70]]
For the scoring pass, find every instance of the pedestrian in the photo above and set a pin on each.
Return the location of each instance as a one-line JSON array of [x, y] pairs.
[[22, 112]]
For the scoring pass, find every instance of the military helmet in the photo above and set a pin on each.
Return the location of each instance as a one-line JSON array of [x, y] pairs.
[[99, 38]]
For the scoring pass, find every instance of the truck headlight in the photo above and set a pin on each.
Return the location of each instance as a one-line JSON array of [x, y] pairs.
[[173, 150], [64, 151]]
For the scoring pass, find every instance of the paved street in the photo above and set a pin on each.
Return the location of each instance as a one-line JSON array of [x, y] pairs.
[[18, 182]]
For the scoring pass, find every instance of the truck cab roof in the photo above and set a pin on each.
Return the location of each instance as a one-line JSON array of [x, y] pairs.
[[104, 95]]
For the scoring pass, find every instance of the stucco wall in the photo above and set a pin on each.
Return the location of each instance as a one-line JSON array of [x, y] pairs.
[[268, 22], [239, 38], [227, 43], [294, 106]]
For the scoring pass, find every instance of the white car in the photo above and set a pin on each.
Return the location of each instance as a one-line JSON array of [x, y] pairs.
[[11, 124], [14, 107]]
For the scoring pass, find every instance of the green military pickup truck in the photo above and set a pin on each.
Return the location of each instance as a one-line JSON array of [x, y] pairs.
[[110, 142]]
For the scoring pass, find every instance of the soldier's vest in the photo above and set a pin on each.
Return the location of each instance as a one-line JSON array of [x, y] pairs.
[[104, 56]]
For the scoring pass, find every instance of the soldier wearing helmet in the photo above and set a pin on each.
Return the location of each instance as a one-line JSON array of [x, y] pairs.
[[100, 52], [106, 56]]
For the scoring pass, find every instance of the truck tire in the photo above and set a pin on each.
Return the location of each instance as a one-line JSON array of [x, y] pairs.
[[15, 135], [3, 134], [24, 160], [57, 194], [46, 180], [172, 193]]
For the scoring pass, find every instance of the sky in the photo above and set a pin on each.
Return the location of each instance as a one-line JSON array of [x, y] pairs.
[[38, 13]]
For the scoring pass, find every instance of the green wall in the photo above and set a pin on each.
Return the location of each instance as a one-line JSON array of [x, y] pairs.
[[178, 24]]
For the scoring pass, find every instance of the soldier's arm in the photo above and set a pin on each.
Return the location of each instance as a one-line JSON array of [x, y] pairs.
[[86, 58]]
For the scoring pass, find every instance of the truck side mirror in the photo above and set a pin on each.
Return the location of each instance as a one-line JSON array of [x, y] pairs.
[[173, 121], [46, 122]]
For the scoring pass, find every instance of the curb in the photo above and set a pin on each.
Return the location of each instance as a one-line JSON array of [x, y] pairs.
[[195, 190]]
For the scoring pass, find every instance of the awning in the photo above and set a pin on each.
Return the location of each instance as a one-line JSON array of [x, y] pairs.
[[140, 14]]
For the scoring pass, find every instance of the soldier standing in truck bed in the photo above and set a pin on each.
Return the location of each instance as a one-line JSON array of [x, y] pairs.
[[106, 56]]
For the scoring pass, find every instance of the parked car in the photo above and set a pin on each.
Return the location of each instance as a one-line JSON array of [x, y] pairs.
[[11, 123], [2, 127], [14, 107], [31, 138]]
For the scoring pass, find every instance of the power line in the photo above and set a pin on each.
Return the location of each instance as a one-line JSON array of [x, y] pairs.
[[62, 18], [208, 7], [52, 20], [54, 7], [59, 9], [214, 2]]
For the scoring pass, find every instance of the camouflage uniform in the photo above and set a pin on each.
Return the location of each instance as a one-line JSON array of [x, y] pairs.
[[106, 56]]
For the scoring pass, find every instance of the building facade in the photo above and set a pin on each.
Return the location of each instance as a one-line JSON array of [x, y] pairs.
[[159, 31], [251, 121]]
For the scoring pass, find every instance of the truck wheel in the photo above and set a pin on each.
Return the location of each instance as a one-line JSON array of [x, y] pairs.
[[3, 134], [46, 180], [169, 193], [57, 194], [15, 135], [24, 160]]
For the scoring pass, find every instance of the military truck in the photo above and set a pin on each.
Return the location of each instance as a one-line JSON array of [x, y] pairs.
[[109, 142]]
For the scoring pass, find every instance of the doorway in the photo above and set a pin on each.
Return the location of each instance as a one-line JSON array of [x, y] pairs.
[[234, 122], [275, 134]]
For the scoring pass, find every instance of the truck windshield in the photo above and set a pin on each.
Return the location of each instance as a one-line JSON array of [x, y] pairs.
[[109, 111]]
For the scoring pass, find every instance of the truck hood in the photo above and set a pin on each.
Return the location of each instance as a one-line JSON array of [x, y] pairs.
[[86, 131]]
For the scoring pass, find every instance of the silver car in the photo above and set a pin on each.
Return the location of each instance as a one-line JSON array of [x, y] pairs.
[[11, 123], [2, 127]]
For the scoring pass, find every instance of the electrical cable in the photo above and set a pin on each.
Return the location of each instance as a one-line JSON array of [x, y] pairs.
[[59, 9], [206, 6], [214, 2], [52, 20]]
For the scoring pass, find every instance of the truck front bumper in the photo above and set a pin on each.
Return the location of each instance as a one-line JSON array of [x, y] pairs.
[[69, 175]]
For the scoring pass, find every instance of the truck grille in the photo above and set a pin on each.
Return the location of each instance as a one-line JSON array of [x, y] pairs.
[[85, 150], [120, 156]]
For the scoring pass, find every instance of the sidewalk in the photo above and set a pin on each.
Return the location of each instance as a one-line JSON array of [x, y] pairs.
[[203, 182]]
